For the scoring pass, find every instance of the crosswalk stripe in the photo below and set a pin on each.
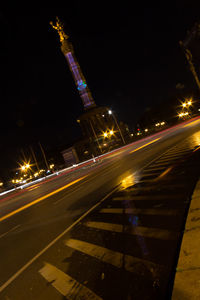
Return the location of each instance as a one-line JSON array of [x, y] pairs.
[[182, 149], [169, 159], [117, 259], [177, 153], [172, 156], [105, 226], [147, 173], [66, 285], [156, 168], [149, 232], [137, 211], [144, 197], [160, 163], [172, 185]]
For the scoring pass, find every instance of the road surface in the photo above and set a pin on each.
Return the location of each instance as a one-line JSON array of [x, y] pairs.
[[82, 234]]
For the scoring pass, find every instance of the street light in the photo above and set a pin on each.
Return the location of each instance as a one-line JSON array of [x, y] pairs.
[[110, 113], [105, 134], [108, 133], [25, 167], [187, 103]]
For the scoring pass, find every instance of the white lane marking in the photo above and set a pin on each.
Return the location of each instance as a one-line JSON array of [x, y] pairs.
[[149, 232], [117, 259], [12, 229], [136, 211], [14, 276], [67, 285]]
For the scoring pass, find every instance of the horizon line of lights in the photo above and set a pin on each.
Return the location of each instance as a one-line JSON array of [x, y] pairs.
[[183, 114], [160, 124]]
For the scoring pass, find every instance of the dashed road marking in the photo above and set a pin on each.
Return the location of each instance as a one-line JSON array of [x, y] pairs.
[[12, 229], [149, 232], [67, 285]]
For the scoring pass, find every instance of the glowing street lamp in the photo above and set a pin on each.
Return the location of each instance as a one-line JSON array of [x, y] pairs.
[[108, 133], [105, 134], [187, 103], [25, 167], [111, 113], [184, 104]]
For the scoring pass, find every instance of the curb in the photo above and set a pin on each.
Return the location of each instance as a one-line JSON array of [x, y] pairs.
[[187, 277]]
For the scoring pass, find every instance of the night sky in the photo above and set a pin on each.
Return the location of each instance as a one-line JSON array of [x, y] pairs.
[[129, 55]]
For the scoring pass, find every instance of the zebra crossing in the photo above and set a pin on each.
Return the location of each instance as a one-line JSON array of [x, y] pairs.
[[126, 248]]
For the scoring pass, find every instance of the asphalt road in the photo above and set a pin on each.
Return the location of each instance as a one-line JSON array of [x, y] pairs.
[[34, 222]]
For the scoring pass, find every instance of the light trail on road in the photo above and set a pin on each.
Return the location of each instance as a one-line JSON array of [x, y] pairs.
[[39, 199]]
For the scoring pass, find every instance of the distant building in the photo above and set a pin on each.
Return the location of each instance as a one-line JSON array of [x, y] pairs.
[[70, 156]]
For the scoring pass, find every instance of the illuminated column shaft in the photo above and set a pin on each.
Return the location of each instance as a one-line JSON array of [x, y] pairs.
[[77, 75]]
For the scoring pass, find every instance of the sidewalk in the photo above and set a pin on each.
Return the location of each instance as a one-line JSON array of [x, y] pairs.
[[187, 278]]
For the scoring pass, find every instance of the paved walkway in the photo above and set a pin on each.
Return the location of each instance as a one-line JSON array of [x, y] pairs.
[[187, 278]]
